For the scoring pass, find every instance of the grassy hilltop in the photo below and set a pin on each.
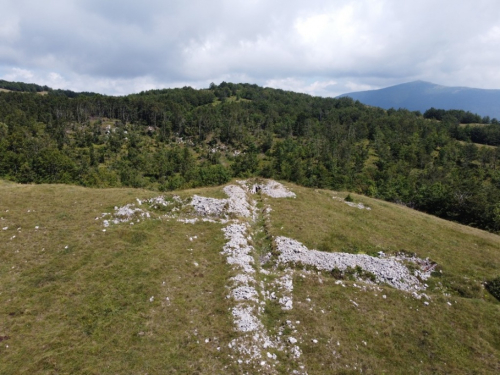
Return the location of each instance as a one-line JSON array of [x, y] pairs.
[[79, 297]]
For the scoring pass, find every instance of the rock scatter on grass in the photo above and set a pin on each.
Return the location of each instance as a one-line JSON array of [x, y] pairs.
[[130, 212], [360, 205], [255, 346], [254, 343]]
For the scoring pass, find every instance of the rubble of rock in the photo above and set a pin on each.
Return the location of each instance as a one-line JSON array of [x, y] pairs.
[[188, 221], [272, 189], [386, 270], [237, 250], [249, 297], [425, 266], [127, 213], [360, 206], [209, 206], [246, 311], [130, 212], [254, 342], [281, 290], [236, 203], [246, 320], [157, 201]]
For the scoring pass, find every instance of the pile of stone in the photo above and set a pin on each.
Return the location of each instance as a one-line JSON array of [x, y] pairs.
[[156, 202], [425, 266], [272, 189], [254, 343], [386, 270], [130, 212], [127, 213], [237, 250], [285, 287], [209, 206], [247, 307], [236, 204]]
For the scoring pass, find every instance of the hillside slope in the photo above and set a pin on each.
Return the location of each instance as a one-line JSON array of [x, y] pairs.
[[420, 96], [123, 281], [185, 138]]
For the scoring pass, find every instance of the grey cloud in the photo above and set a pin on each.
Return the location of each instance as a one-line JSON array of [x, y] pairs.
[[164, 43]]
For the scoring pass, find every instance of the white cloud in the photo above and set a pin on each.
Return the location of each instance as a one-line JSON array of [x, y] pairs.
[[18, 74], [9, 29], [318, 87], [353, 86], [491, 36]]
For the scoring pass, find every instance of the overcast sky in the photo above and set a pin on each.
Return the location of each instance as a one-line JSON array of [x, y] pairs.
[[319, 47]]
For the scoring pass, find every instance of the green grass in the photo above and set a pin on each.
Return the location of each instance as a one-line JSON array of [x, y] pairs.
[[86, 308], [319, 221], [403, 335]]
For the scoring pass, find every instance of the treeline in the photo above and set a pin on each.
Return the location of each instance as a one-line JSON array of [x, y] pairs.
[[34, 88], [461, 116], [21, 86], [486, 134], [177, 138], [477, 130]]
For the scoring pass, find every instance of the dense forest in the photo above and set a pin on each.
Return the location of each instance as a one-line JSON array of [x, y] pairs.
[[446, 163]]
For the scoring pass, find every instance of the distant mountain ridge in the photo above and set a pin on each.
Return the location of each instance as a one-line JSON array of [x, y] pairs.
[[421, 95]]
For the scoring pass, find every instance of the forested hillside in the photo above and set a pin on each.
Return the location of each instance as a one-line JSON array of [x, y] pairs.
[[178, 138]]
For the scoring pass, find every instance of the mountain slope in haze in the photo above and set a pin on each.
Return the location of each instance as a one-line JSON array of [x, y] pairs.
[[82, 290], [420, 96]]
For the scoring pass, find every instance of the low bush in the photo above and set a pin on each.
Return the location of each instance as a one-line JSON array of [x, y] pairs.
[[493, 286]]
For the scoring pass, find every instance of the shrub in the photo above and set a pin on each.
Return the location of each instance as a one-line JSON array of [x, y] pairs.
[[337, 274], [348, 198], [493, 286], [353, 274]]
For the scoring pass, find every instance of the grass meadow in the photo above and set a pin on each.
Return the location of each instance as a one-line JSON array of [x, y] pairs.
[[148, 298]]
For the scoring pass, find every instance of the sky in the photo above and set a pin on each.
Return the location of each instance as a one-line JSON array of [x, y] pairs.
[[318, 47]]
